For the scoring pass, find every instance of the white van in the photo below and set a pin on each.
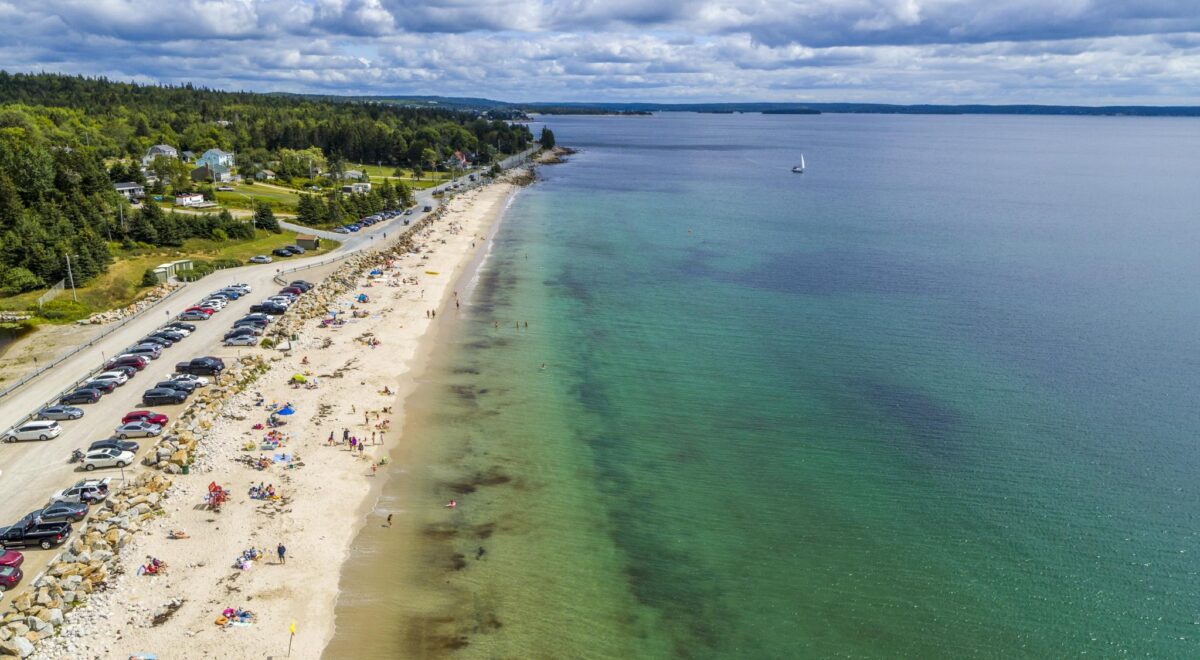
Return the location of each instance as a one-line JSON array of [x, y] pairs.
[[42, 429]]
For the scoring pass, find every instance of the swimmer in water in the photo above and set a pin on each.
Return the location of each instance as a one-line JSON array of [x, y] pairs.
[[543, 367], [452, 504]]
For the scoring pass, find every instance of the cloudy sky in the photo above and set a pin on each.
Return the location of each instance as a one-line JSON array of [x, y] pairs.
[[899, 51]]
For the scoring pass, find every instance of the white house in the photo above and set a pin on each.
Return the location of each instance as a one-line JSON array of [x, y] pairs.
[[130, 190], [189, 199], [357, 188], [159, 150]]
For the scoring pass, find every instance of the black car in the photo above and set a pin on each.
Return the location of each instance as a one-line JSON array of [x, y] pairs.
[[81, 395], [268, 308], [254, 322], [156, 340], [105, 386], [281, 252], [170, 335], [57, 512], [201, 366], [181, 325], [129, 372], [244, 331], [302, 285], [181, 385], [162, 396], [46, 535], [115, 443]]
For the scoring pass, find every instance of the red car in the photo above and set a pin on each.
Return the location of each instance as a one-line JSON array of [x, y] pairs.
[[148, 416], [10, 576], [136, 361], [11, 558], [206, 310]]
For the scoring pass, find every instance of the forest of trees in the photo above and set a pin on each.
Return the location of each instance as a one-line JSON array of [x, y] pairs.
[[58, 133]]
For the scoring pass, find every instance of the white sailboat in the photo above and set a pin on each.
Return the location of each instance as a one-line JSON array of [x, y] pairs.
[[799, 169]]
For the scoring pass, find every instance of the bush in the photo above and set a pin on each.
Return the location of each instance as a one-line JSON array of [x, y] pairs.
[[267, 343], [226, 263], [18, 280], [219, 234], [62, 309], [149, 278]]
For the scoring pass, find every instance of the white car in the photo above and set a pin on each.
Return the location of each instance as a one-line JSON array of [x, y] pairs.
[[216, 303], [119, 376], [101, 458], [183, 331], [242, 340], [44, 429], [88, 490], [241, 286], [282, 300], [137, 430], [200, 381]]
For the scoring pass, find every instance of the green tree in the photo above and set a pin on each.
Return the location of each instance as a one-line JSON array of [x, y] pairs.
[[547, 139], [264, 218]]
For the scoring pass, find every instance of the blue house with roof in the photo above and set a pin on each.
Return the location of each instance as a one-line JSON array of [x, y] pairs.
[[215, 158]]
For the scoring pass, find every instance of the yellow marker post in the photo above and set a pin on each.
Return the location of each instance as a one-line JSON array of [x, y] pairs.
[[290, 638]]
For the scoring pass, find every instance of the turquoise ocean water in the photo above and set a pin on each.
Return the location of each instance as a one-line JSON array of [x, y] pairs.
[[936, 397]]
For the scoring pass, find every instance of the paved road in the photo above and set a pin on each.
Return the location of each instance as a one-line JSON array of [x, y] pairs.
[[31, 471]]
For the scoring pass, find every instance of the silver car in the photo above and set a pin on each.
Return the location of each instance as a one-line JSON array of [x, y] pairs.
[[60, 412], [137, 430], [101, 458], [242, 340]]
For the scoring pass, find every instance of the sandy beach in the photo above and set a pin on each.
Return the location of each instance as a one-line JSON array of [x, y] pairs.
[[357, 378]]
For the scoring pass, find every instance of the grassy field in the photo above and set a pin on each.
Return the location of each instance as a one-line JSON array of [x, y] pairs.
[[245, 195], [376, 172], [121, 285]]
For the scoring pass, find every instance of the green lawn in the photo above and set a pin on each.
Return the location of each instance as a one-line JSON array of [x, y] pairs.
[[377, 173], [244, 196], [121, 285]]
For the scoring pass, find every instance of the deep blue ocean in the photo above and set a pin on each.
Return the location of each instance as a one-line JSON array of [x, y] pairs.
[[935, 397]]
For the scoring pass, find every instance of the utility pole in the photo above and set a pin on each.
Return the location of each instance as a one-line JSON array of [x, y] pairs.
[[71, 276]]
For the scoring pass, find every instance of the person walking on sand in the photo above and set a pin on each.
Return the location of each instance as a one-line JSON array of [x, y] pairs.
[[282, 553], [345, 435], [389, 522]]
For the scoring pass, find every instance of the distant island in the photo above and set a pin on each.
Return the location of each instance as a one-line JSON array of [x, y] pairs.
[[504, 109]]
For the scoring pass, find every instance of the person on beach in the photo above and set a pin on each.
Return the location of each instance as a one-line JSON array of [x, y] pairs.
[[353, 443], [452, 504], [345, 435], [389, 520], [282, 553]]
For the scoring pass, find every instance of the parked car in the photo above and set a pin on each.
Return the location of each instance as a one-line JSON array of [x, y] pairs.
[[11, 558], [10, 577], [296, 249], [258, 317], [341, 230], [217, 304], [201, 366], [129, 372], [180, 326], [200, 381], [269, 308], [353, 227], [182, 386], [145, 350], [303, 285], [46, 535], [105, 385], [173, 336], [155, 341], [294, 290], [106, 457], [249, 328], [88, 491], [281, 252], [114, 443], [136, 361], [71, 512], [81, 395], [285, 301], [137, 430], [427, 209], [193, 316], [42, 429], [159, 396], [250, 323], [120, 377], [260, 259], [241, 340], [148, 416], [209, 311], [60, 412]]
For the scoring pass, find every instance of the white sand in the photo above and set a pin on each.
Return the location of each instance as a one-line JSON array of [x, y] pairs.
[[326, 500]]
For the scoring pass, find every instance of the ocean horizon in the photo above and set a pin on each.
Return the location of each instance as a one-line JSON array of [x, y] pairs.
[[934, 397]]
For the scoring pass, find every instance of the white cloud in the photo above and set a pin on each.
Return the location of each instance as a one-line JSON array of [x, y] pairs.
[[1061, 51]]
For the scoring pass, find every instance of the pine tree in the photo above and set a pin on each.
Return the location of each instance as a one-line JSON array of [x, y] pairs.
[[264, 218]]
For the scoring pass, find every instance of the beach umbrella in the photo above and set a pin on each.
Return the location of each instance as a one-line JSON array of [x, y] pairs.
[[286, 411], [299, 378]]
